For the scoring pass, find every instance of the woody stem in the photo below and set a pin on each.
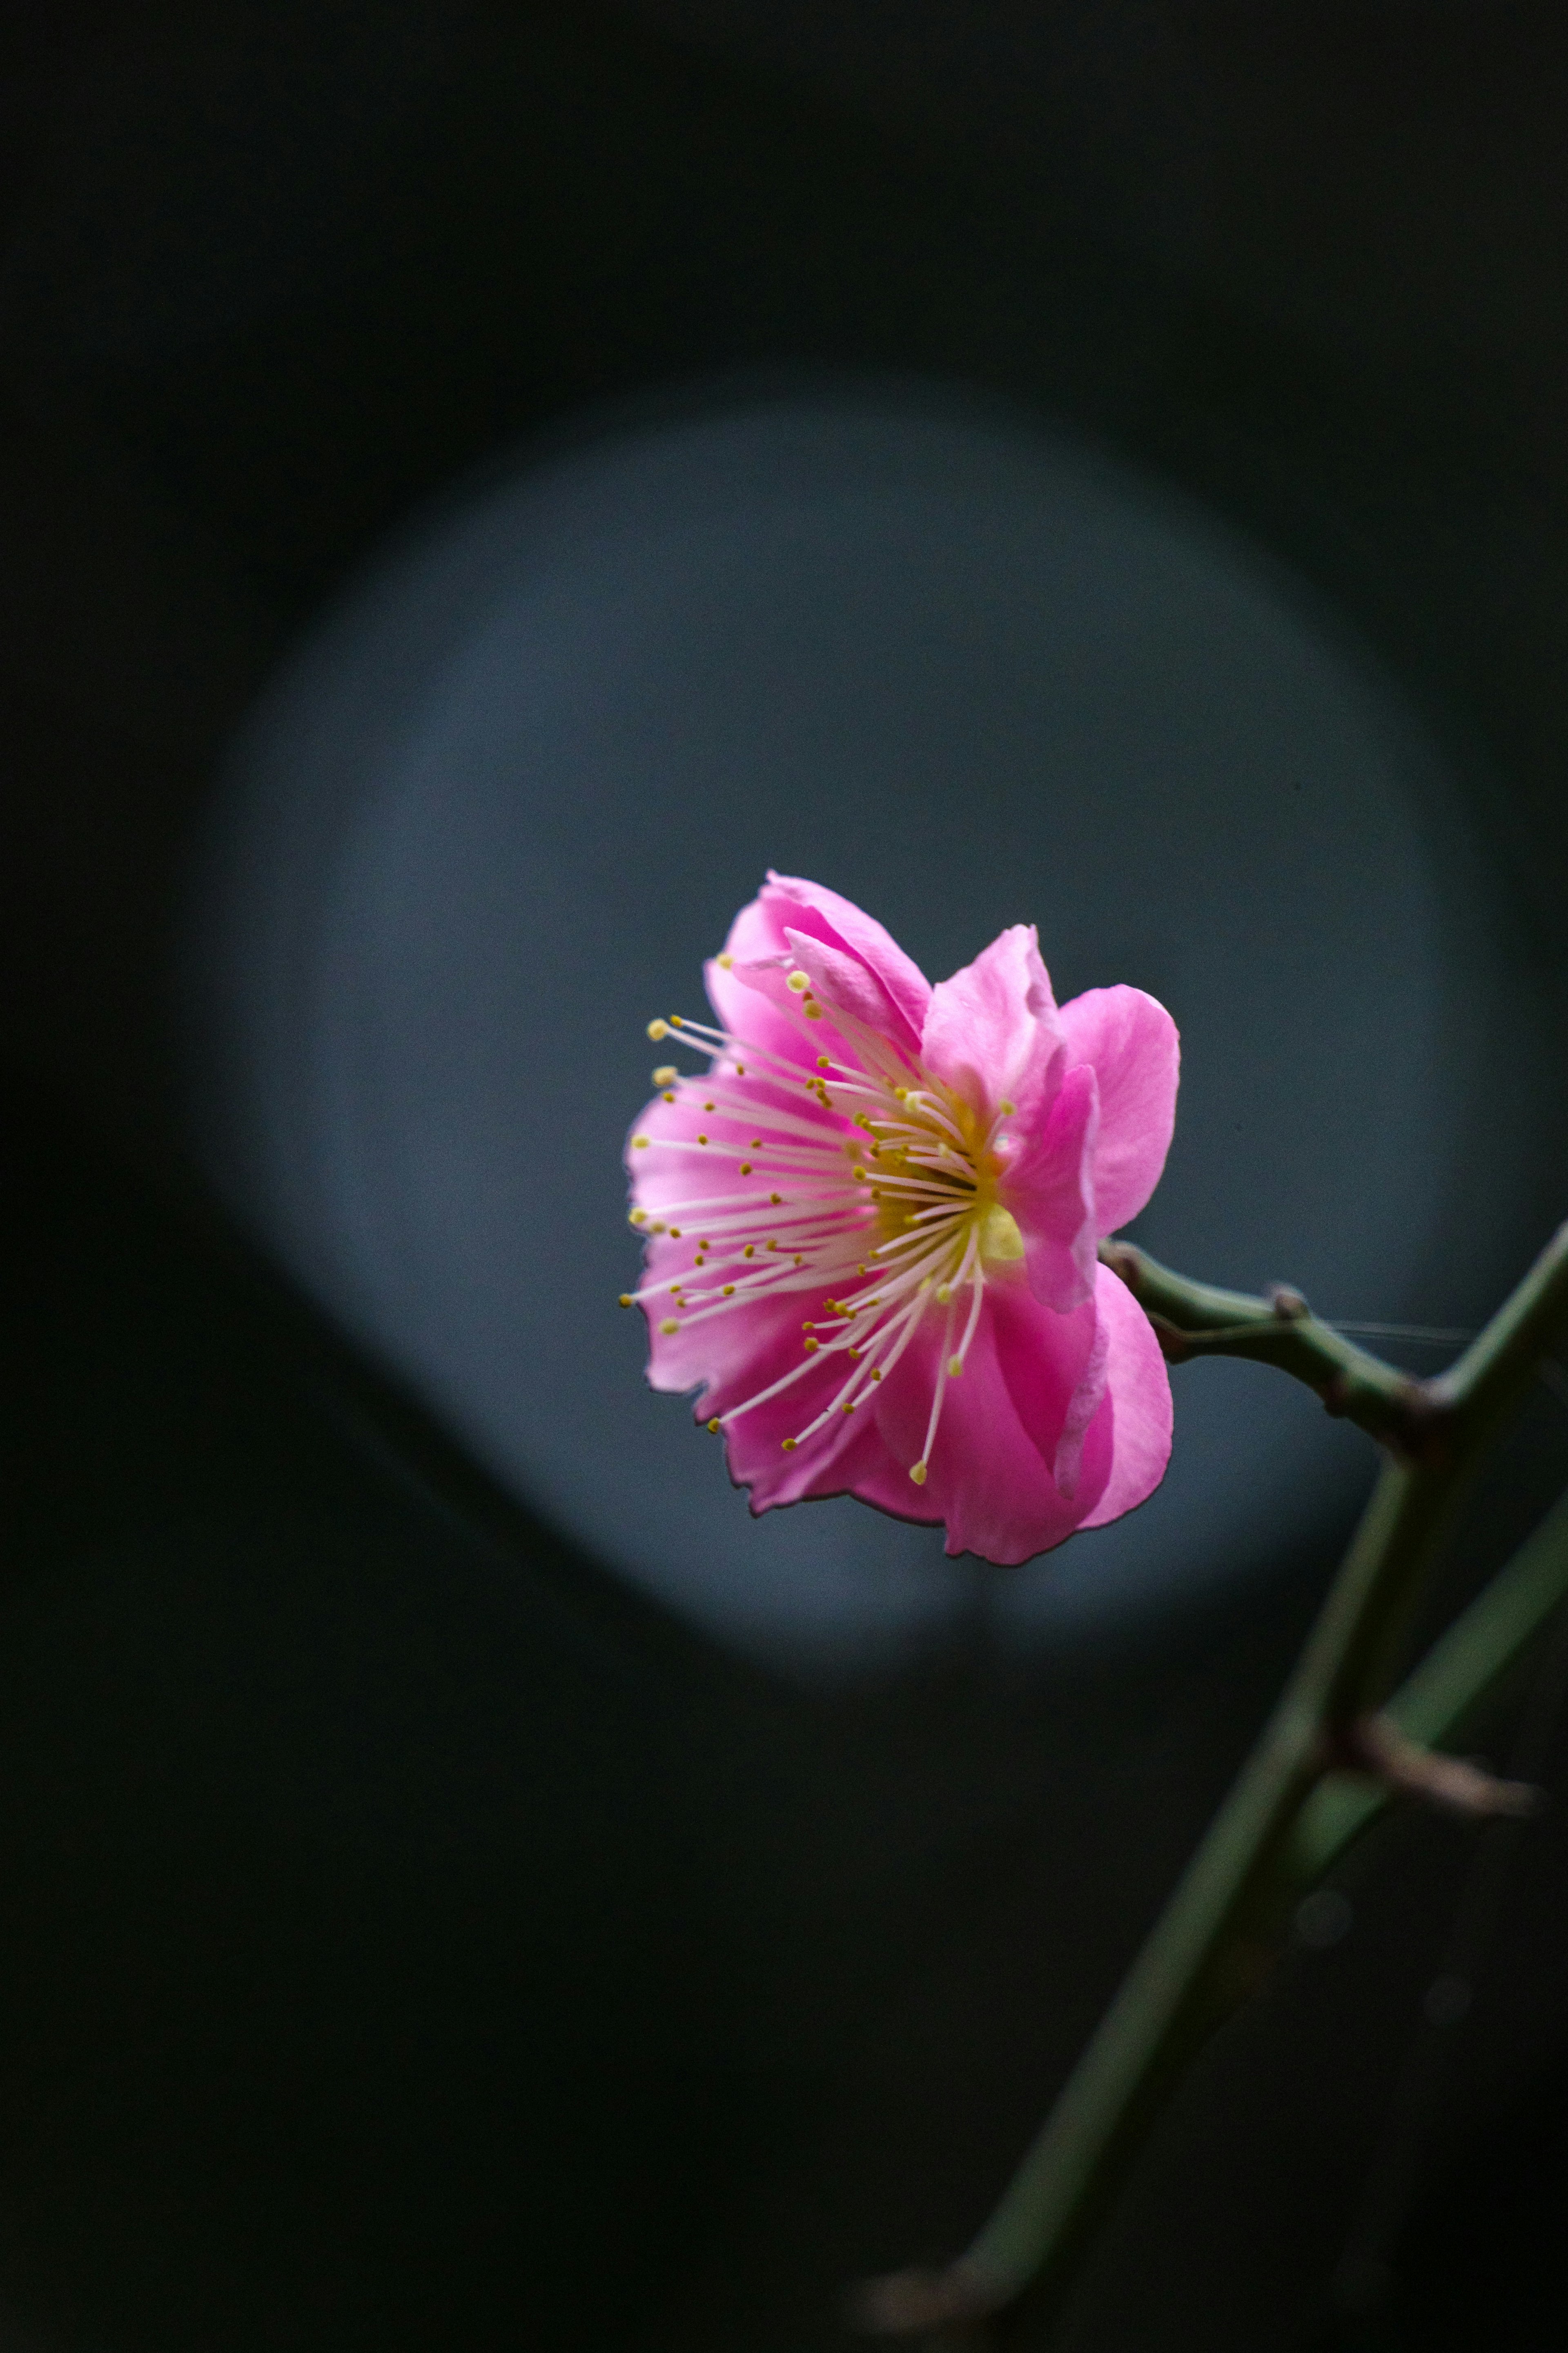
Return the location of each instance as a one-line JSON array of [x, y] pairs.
[[1266, 1843]]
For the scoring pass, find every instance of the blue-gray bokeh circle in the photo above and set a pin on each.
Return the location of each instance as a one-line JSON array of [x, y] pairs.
[[495, 813]]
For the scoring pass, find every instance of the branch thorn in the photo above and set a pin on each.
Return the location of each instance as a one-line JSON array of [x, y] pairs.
[[1375, 1746]]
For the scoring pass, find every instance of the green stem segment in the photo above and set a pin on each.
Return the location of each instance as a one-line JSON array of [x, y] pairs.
[[1194, 1319], [1289, 1813]]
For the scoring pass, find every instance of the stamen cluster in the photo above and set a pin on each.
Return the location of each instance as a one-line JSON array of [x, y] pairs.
[[891, 1198]]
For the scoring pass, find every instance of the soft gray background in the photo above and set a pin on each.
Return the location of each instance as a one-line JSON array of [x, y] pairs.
[[500, 807]]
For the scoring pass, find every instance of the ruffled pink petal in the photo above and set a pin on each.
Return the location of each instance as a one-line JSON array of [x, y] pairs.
[[858, 1008], [1054, 1365], [733, 1357], [748, 995], [756, 1005], [993, 1479], [673, 1166], [753, 1444], [1067, 1462], [991, 1032], [1049, 1189], [1136, 1412], [730, 1355], [1133, 1044], [990, 1479], [822, 916], [823, 1466]]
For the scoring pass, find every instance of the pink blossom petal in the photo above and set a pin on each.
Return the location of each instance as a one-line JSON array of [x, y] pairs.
[[991, 1032], [868, 1019], [753, 1001], [1137, 1405], [754, 1442], [838, 922], [1049, 1190], [1133, 1043], [1067, 1462], [748, 993], [989, 1478]]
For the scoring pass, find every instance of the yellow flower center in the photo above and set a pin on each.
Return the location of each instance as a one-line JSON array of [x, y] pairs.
[[936, 1138]]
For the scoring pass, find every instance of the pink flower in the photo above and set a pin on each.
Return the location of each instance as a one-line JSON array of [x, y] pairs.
[[872, 1224]]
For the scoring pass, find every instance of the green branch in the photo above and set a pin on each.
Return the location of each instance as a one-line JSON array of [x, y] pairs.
[[1448, 1690], [1194, 1319], [1291, 1813]]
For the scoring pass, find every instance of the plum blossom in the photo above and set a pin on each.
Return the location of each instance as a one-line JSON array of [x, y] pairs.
[[872, 1216]]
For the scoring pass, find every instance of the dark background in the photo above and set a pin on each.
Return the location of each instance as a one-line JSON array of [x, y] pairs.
[[408, 1937]]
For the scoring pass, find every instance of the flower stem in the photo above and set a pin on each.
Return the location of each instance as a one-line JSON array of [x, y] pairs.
[[1194, 1319], [1289, 1813]]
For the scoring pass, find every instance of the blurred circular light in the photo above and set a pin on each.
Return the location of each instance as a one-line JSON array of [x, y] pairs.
[[498, 810]]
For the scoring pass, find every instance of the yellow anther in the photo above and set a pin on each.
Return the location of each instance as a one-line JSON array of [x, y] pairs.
[[876, 1372], [745, 1167], [859, 1174], [798, 982], [702, 1139], [824, 1061], [902, 1093], [918, 1474], [636, 1217], [954, 1367], [773, 1245], [750, 1251], [657, 1227], [789, 1445], [700, 1260], [666, 1075], [943, 1293], [625, 1299], [668, 1097], [657, 1030], [813, 1012], [675, 1233], [1007, 1108], [714, 1427], [708, 1106], [728, 1291], [811, 1346], [799, 1259], [777, 1199], [740, 1069], [756, 1144], [676, 1022], [640, 1143], [669, 1324], [723, 959]]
